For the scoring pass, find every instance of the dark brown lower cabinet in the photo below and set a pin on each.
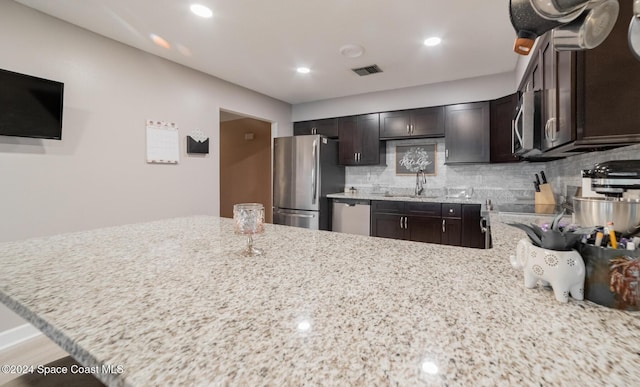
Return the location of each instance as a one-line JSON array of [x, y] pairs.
[[472, 235], [423, 229], [443, 223], [451, 224], [451, 231], [388, 225]]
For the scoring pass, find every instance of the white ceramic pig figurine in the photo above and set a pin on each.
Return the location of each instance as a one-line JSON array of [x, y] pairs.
[[563, 270]]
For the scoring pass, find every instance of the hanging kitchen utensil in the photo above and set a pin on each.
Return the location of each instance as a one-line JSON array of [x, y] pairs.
[[634, 30], [590, 29], [528, 25], [560, 10]]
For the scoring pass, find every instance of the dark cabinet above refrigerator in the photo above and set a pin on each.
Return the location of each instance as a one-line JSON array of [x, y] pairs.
[[326, 127]]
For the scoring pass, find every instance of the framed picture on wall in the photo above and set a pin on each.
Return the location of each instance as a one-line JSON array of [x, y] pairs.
[[413, 158]]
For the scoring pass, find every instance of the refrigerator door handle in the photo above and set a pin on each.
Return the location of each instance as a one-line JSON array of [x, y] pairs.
[[314, 182], [293, 214]]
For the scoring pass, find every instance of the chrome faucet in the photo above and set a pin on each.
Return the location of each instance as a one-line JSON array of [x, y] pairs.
[[420, 180]]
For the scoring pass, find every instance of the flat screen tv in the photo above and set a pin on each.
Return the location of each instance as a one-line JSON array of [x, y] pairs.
[[30, 106]]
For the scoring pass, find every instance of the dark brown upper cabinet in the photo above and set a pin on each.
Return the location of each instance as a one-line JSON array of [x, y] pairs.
[[326, 127], [424, 122], [502, 113], [590, 98], [467, 133], [359, 140]]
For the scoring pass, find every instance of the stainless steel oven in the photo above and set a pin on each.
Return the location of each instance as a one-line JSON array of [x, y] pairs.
[[525, 126]]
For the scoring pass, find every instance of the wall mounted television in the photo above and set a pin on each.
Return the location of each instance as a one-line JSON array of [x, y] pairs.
[[30, 106]]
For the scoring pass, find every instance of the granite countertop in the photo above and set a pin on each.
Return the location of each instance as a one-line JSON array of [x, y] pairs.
[[404, 198], [524, 207], [172, 304]]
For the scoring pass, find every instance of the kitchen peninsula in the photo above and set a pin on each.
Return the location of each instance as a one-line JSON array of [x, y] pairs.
[[172, 303]]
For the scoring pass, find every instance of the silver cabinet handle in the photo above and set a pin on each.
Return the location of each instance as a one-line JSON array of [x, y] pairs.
[[406, 220], [443, 226], [553, 128], [401, 222], [546, 130], [408, 129], [412, 128], [446, 153], [550, 129], [483, 225]]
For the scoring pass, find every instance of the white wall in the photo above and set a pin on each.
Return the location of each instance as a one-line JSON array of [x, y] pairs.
[[97, 175], [464, 90]]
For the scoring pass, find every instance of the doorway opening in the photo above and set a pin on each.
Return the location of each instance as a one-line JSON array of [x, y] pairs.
[[245, 162]]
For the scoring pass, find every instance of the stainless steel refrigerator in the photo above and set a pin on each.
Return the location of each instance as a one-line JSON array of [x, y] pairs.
[[305, 170]]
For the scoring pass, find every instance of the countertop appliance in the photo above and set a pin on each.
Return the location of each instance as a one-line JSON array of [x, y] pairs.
[[352, 216], [616, 180], [305, 170]]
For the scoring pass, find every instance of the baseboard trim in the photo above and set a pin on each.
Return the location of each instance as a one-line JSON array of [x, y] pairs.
[[17, 335]]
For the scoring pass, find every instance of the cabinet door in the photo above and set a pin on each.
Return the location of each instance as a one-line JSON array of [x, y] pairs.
[[610, 79], [472, 235], [368, 135], [424, 229], [565, 83], [395, 124], [347, 135], [467, 133], [427, 122], [502, 113], [302, 128], [388, 225], [451, 231], [327, 127]]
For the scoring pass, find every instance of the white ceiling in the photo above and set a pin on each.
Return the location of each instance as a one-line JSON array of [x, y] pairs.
[[259, 44]]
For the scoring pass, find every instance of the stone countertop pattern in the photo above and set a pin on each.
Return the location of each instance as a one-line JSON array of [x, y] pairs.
[[172, 303]]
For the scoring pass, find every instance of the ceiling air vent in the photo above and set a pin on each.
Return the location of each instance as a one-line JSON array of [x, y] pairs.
[[367, 70]]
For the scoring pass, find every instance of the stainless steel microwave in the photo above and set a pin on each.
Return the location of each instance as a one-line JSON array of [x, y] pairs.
[[525, 133]]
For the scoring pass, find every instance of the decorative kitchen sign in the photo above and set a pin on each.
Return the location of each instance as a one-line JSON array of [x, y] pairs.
[[413, 158], [162, 142], [197, 142]]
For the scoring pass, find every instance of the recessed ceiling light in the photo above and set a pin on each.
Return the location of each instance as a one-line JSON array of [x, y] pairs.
[[433, 41], [303, 70], [201, 10]]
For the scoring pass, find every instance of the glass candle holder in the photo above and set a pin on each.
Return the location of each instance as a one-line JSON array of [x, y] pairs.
[[249, 220]]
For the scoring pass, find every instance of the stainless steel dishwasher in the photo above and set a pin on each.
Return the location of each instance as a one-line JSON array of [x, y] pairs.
[[351, 216]]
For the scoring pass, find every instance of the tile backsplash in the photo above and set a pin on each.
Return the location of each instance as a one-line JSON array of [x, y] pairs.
[[515, 177], [510, 180]]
